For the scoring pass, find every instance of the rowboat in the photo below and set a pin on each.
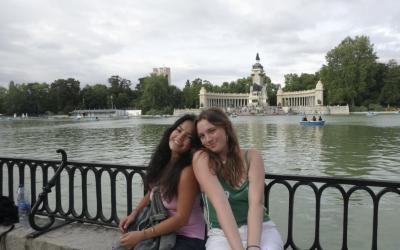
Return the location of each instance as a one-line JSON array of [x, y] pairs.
[[371, 113], [312, 123]]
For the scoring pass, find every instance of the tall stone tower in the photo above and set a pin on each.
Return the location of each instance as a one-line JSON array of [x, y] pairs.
[[163, 71], [258, 90]]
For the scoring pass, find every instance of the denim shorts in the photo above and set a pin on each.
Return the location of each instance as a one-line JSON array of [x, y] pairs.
[[186, 243]]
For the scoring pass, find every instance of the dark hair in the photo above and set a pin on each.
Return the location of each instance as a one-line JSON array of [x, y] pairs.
[[233, 170], [156, 174]]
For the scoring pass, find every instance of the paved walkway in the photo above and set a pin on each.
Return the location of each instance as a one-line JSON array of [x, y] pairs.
[[70, 237]]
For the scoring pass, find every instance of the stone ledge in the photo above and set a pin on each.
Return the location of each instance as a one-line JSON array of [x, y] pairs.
[[74, 236]]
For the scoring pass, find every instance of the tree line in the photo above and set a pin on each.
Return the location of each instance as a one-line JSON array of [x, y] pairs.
[[351, 75], [152, 94]]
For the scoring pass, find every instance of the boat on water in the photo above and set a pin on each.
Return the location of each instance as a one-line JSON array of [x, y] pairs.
[[371, 113], [312, 123]]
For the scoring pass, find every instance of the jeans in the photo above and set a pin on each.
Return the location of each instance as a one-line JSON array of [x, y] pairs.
[[186, 243]]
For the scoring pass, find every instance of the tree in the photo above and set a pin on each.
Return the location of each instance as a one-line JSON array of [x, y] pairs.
[[94, 97], [191, 92], [37, 98], [305, 81], [65, 95], [120, 91], [3, 95], [272, 89], [349, 71], [14, 100], [155, 93], [390, 94], [175, 100]]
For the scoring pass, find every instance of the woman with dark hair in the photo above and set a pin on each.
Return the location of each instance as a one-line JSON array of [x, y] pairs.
[[171, 171], [232, 181]]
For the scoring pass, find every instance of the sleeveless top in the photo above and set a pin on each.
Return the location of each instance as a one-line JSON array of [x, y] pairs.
[[238, 199], [195, 227]]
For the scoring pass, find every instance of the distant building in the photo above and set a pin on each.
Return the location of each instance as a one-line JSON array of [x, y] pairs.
[[163, 71], [99, 113], [257, 96], [304, 98], [134, 112]]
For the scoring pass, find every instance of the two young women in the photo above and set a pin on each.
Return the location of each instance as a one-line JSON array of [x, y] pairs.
[[231, 179]]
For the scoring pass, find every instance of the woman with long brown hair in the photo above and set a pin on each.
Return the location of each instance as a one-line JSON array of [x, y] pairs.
[[171, 171], [232, 181]]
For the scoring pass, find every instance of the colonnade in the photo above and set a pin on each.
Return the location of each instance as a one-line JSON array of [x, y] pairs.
[[298, 101], [224, 102]]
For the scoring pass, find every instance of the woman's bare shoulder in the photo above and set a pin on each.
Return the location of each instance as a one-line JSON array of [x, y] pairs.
[[200, 154]]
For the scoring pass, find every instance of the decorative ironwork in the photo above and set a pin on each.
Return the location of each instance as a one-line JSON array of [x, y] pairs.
[[69, 170], [318, 186], [43, 197]]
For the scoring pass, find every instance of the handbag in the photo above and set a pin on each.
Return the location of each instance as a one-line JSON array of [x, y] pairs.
[[8, 211], [8, 215], [151, 215]]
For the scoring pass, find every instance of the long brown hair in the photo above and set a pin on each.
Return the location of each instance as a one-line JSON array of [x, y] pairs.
[[232, 171], [156, 174]]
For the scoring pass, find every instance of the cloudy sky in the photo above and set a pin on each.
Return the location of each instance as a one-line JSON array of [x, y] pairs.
[[216, 40]]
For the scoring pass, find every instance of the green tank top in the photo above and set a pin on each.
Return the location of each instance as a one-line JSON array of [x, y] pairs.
[[239, 201]]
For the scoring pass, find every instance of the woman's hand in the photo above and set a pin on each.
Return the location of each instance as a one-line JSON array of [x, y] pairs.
[[129, 240], [125, 222]]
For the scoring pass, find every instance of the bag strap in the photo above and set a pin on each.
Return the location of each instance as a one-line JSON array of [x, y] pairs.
[[159, 211]]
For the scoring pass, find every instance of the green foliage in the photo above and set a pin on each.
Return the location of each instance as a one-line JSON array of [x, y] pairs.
[[65, 95], [358, 109], [157, 94], [293, 82], [3, 95], [31, 98], [376, 107], [120, 92], [94, 97], [350, 71], [191, 93], [390, 94], [272, 89]]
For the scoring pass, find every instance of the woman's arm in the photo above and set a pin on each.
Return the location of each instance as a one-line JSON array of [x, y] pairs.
[[188, 189], [256, 197], [212, 188], [125, 222]]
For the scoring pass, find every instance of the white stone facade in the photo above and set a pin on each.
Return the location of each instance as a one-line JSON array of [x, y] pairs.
[[257, 96], [305, 98]]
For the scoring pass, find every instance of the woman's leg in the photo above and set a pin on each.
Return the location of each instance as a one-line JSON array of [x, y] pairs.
[[216, 240], [270, 238]]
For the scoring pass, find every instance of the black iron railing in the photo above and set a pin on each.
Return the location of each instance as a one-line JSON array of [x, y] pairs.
[[41, 207], [346, 186]]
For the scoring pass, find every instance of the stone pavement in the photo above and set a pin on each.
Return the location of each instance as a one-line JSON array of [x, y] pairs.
[[70, 237]]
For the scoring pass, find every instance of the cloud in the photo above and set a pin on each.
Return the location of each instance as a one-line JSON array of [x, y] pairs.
[[44, 40]]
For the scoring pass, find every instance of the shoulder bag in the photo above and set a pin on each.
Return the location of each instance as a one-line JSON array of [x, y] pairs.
[[150, 216]]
